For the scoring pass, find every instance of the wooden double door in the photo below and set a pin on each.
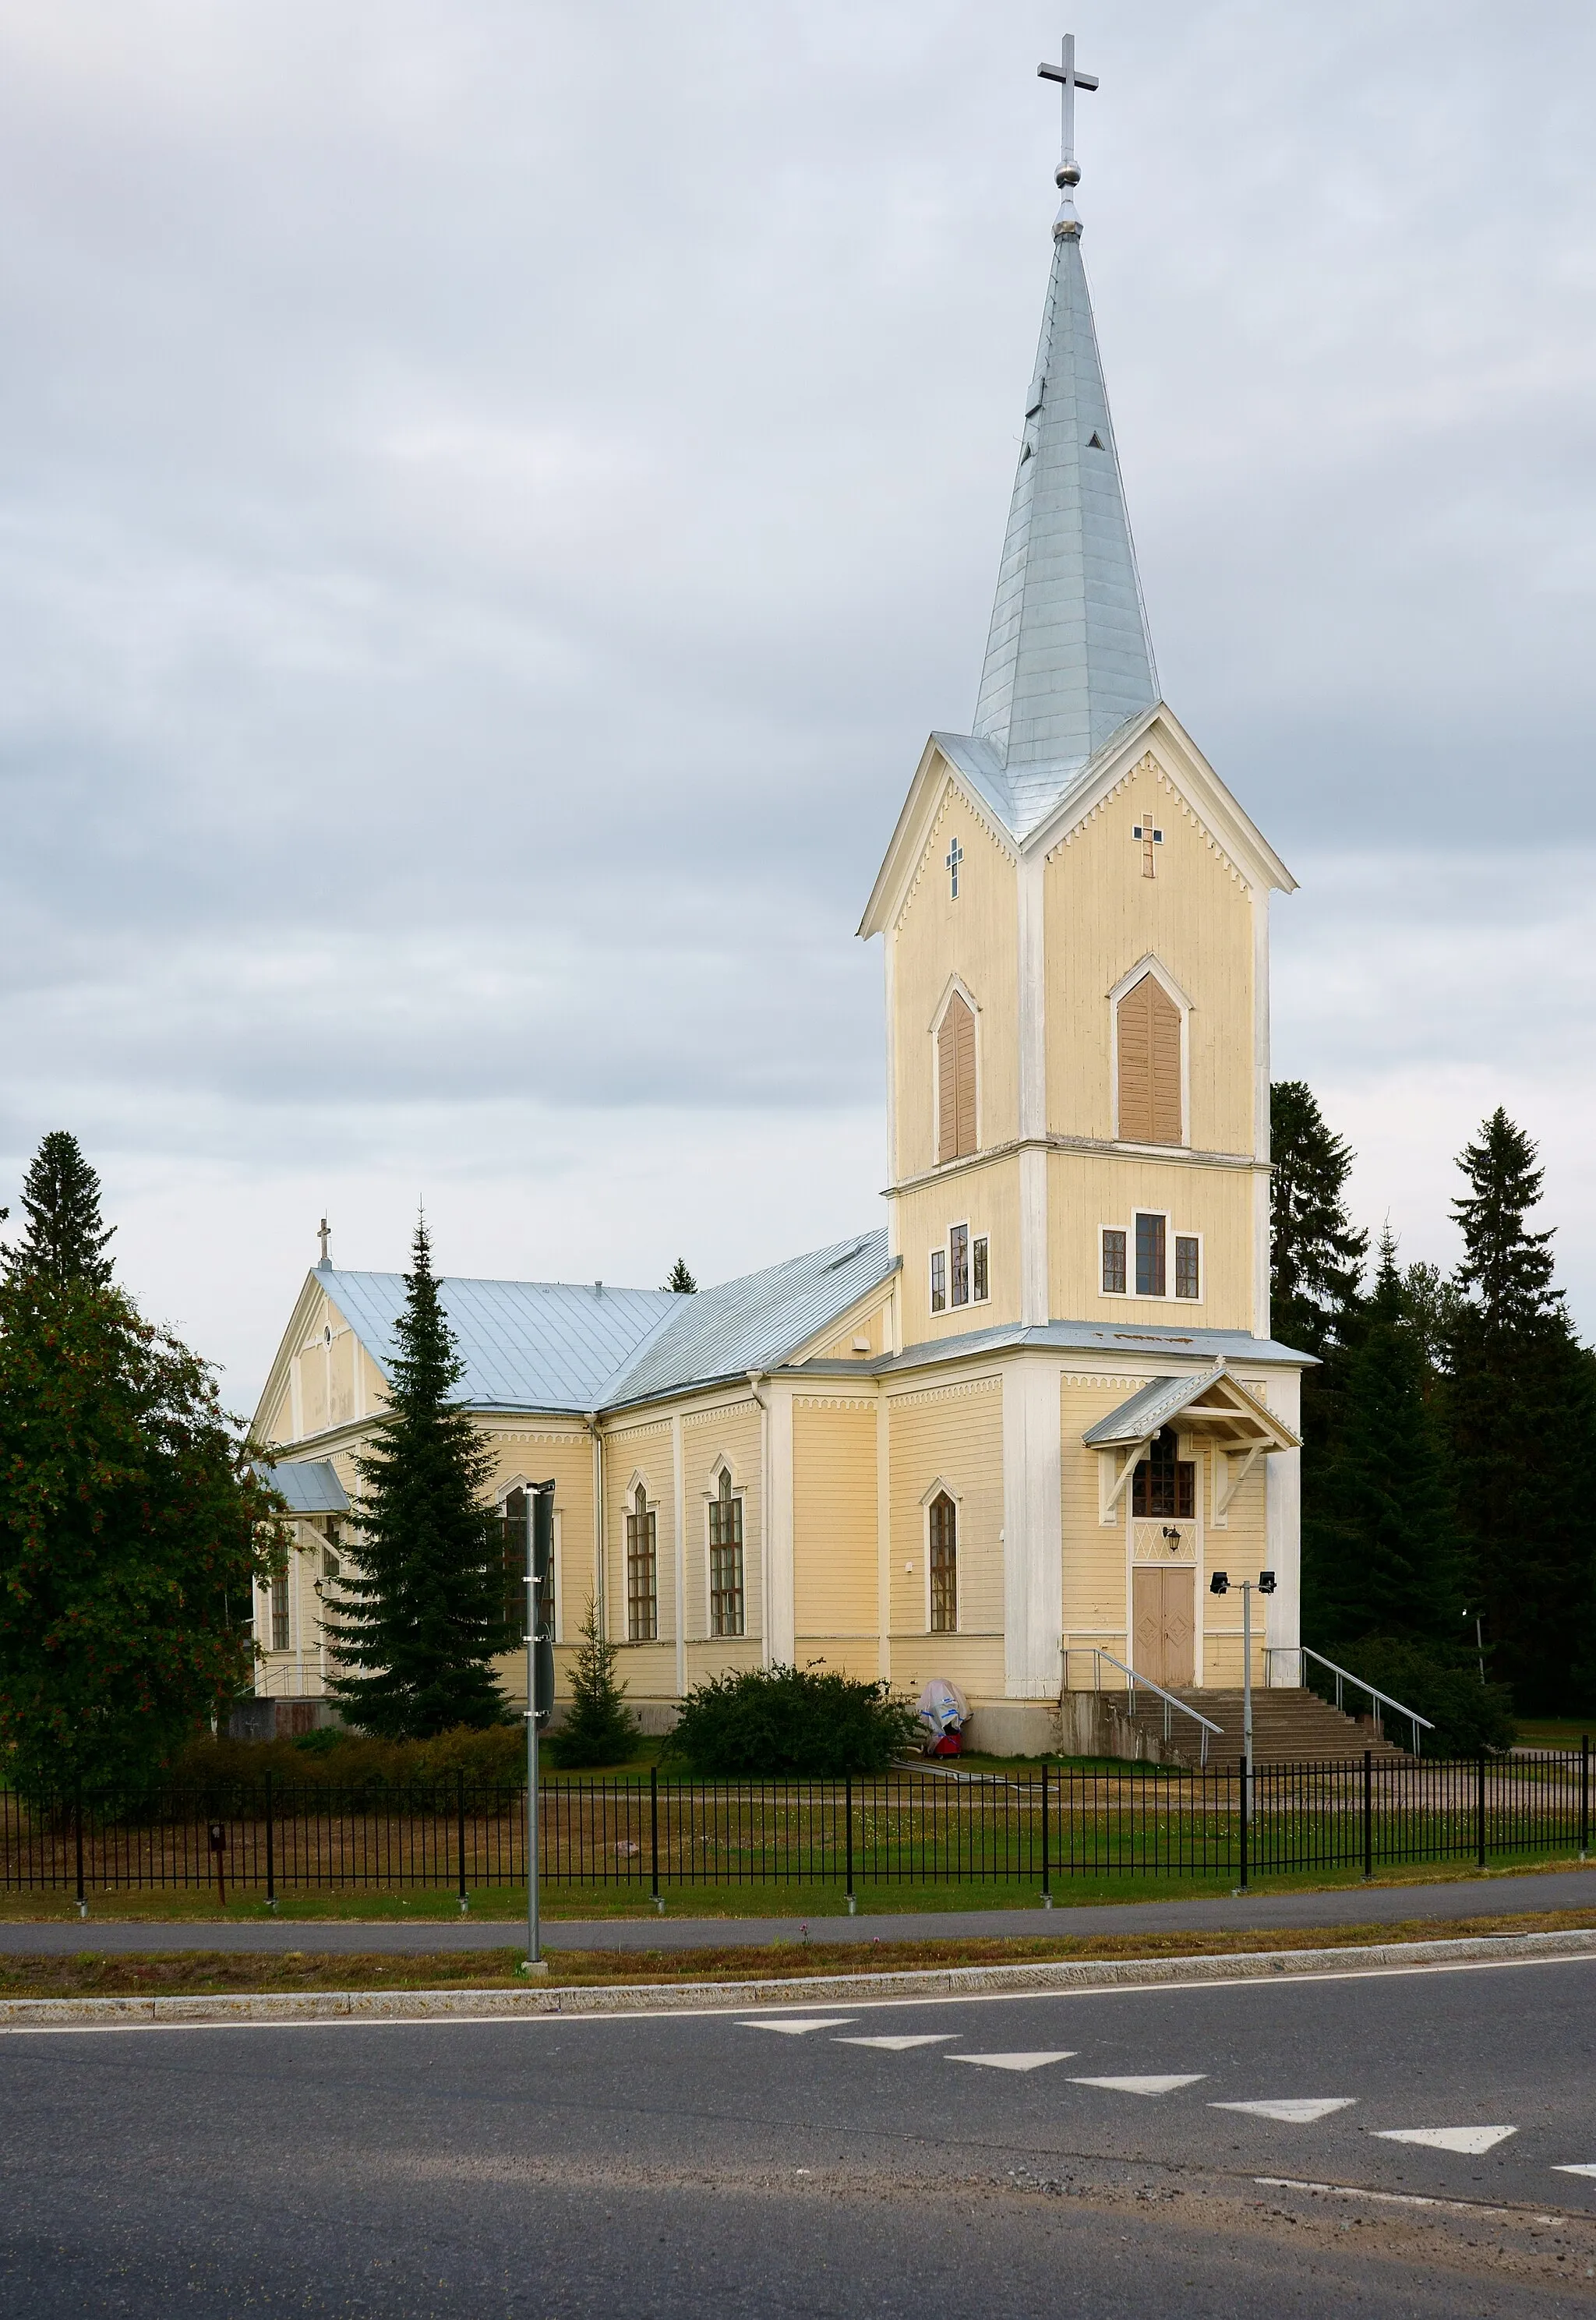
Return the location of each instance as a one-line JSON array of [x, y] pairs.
[[1164, 1615]]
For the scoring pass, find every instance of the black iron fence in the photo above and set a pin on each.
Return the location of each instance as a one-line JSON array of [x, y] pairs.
[[904, 1828]]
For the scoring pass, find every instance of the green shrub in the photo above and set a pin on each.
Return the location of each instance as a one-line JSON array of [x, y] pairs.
[[770, 1722], [353, 1762], [599, 1727], [1469, 1717]]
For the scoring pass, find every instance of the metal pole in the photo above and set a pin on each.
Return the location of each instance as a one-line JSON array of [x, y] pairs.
[[1046, 1866], [848, 1806], [271, 1865], [1247, 1669], [654, 1833], [1368, 1814], [78, 1824], [460, 1832], [533, 1950], [1242, 1887], [1479, 1807], [1584, 1794]]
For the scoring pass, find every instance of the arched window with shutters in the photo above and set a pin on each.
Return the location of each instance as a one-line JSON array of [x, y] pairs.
[[1147, 1041], [955, 1080]]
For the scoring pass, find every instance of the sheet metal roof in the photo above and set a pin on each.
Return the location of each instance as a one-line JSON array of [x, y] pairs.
[[757, 1322], [309, 1486], [1147, 1411], [1069, 658], [1091, 1336], [527, 1345]]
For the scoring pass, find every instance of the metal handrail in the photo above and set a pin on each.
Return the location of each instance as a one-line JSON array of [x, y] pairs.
[[1169, 1698], [1345, 1676]]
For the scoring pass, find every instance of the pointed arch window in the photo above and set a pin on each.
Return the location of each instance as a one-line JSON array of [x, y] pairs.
[[1147, 1027], [726, 1574], [642, 1569], [956, 1081], [943, 1528]]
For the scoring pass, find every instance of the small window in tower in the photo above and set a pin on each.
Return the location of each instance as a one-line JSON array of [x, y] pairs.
[[979, 1289], [1113, 1262], [1149, 1256], [958, 1264], [938, 1280], [1187, 1271], [1094, 441]]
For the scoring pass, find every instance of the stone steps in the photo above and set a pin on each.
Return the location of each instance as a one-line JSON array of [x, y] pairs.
[[1290, 1727]]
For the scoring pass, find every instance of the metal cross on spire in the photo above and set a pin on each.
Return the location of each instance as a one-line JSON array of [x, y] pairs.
[[1069, 80]]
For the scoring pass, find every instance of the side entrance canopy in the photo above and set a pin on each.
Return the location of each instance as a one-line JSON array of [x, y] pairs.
[[1213, 1405]]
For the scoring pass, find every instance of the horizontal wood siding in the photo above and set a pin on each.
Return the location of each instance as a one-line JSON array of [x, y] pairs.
[[954, 1434], [835, 1562]]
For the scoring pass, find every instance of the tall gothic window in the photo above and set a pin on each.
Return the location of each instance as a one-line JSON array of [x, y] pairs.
[[642, 1571], [955, 1082], [726, 1587], [1165, 1483], [279, 1611], [944, 1549]]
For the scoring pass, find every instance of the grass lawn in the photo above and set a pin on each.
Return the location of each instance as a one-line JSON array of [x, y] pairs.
[[507, 1904], [201, 1972]]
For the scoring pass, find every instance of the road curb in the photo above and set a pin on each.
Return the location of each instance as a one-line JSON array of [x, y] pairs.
[[741, 1997]]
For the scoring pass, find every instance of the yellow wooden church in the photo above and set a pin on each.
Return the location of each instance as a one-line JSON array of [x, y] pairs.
[[1007, 1440]]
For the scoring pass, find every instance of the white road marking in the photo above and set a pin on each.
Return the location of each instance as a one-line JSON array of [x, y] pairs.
[[1384, 2198], [900, 2046], [1474, 2140], [1143, 2086], [799, 2029], [1012, 2061], [1296, 2110], [1581, 2169]]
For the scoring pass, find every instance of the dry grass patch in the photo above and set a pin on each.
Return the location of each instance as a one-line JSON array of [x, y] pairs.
[[201, 1972]]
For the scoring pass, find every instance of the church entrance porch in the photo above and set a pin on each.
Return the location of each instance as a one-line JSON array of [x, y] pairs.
[[1164, 1614]]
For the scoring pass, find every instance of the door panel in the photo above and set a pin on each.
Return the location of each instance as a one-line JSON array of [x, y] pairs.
[[1164, 1609]]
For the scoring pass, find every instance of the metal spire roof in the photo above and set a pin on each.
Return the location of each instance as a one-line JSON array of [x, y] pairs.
[[1068, 659]]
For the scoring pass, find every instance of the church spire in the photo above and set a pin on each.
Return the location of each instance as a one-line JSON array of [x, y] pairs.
[[1068, 658]]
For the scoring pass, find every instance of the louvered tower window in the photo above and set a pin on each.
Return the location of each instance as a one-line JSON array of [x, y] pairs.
[[1149, 1045], [955, 1082]]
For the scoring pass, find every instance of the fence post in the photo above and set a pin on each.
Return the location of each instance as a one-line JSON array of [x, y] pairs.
[[1479, 1807], [1046, 1865], [77, 1825], [1584, 1794], [1368, 1815], [460, 1810], [847, 1808], [1243, 1771], [654, 1835], [271, 1861]]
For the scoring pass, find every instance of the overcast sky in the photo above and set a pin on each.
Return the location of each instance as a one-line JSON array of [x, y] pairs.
[[493, 496]]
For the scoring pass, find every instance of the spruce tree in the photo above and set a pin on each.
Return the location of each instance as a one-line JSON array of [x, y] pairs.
[[599, 1727], [133, 1531], [1402, 1577], [1520, 1406], [65, 1239], [1316, 1268], [680, 1280], [418, 1610]]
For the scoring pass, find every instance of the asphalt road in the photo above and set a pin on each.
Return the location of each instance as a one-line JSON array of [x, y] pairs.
[[1360, 1905], [1143, 2154]]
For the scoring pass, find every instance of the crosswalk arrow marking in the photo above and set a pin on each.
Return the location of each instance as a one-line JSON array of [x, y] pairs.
[[1296, 2110], [1143, 2086], [798, 2029], [1012, 2061], [901, 2045], [1471, 2139], [1581, 2169]]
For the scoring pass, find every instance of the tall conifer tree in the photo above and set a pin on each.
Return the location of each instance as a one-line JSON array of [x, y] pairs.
[[1522, 1411], [1317, 1259], [66, 1239], [1402, 1576], [419, 1613]]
